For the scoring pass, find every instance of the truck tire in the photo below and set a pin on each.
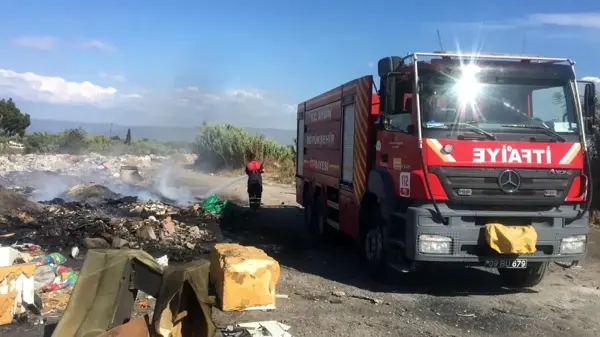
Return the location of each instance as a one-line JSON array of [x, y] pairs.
[[524, 278], [309, 214], [314, 219], [373, 246]]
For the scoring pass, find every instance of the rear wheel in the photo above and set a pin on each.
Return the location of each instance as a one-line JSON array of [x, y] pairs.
[[309, 215], [315, 221], [524, 278], [373, 246]]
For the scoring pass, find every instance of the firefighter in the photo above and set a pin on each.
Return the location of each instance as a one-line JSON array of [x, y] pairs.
[[254, 170]]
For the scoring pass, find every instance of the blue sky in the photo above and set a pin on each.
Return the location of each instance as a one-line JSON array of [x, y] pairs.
[[250, 62]]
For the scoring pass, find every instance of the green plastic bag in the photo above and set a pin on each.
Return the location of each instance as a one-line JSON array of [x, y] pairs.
[[214, 205]]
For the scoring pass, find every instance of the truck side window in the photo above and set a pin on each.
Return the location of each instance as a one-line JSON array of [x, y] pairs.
[[401, 117], [551, 105]]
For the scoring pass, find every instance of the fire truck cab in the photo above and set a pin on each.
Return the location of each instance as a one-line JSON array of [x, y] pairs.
[[472, 159]]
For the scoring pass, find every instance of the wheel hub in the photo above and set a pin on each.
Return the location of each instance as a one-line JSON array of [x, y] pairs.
[[373, 244]]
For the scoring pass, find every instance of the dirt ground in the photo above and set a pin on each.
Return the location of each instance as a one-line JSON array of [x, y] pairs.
[[330, 294]]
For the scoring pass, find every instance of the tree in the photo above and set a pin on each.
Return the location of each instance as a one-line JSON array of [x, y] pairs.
[[12, 121], [73, 141], [128, 137]]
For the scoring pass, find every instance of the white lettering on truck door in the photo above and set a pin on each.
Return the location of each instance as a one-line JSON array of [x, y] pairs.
[[405, 184]]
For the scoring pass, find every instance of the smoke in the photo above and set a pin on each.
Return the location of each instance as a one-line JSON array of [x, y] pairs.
[[167, 184], [171, 182], [48, 185]]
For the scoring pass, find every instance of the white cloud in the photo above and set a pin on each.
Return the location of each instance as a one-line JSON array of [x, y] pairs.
[[134, 95], [52, 89], [542, 20], [112, 76], [37, 42], [99, 45], [178, 107], [592, 79], [244, 94], [584, 20]]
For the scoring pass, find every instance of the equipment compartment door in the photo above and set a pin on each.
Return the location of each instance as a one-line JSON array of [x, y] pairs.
[[348, 142], [300, 148]]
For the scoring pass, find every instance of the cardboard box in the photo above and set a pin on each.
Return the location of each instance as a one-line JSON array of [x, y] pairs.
[[16, 285], [244, 277]]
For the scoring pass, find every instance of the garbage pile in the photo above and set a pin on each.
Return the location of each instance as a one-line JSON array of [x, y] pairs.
[[34, 170], [24, 276], [94, 217]]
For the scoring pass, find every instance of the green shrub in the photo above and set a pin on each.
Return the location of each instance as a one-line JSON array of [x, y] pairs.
[[73, 141], [77, 141], [224, 146], [42, 142]]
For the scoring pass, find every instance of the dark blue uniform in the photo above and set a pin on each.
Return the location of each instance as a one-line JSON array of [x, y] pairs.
[[254, 170]]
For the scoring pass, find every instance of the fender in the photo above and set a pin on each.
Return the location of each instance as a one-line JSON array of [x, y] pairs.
[[380, 184]]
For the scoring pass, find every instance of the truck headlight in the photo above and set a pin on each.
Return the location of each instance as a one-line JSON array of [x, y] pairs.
[[573, 244], [435, 244]]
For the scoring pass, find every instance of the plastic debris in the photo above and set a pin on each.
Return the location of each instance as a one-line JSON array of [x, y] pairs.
[[266, 328], [214, 205], [51, 259], [75, 252], [163, 261]]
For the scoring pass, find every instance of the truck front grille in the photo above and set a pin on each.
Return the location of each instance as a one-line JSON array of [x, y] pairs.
[[537, 187]]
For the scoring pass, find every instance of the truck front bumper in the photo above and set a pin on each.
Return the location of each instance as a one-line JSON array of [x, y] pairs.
[[465, 229]]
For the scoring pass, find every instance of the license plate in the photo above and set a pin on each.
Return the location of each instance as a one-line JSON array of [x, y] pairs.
[[508, 264]]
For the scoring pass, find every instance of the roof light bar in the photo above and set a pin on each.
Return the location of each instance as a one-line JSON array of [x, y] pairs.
[[497, 56]]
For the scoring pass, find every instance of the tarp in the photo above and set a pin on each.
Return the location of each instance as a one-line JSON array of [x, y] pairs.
[[183, 307], [511, 239], [95, 297], [214, 205]]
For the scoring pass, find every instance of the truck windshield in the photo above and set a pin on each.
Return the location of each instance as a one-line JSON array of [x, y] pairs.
[[494, 102]]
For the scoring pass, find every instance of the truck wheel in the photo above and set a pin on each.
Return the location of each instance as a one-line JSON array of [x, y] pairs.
[[373, 243], [315, 222], [524, 278], [309, 215]]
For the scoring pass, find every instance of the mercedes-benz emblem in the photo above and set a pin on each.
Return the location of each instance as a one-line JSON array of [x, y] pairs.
[[509, 181]]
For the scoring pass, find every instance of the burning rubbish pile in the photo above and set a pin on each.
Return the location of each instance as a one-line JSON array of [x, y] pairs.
[[95, 217], [83, 165], [44, 177], [49, 217]]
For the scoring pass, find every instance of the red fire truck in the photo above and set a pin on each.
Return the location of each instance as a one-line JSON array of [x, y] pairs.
[[451, 142]]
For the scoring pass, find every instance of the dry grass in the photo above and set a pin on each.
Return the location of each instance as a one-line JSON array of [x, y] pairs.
[[284, 172]]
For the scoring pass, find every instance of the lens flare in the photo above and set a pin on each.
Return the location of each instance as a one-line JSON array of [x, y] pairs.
[[468, 87]]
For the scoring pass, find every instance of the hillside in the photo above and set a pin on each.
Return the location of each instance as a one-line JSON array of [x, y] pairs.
[[151, 132]]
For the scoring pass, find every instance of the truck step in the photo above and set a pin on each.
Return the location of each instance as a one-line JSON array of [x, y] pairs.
[[333, 224], [333, 205]]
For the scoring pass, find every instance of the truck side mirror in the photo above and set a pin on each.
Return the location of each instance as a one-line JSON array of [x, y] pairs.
[[589, 105], [388, 64], [390, 100]]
